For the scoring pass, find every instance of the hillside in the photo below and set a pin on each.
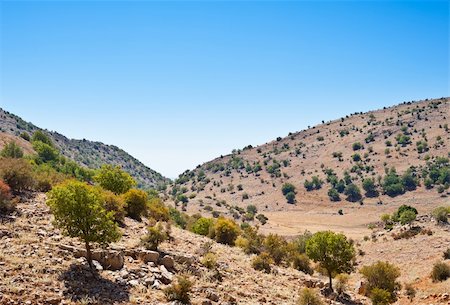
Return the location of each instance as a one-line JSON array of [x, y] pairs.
[[39, 266], [88, 153], [408, 137]]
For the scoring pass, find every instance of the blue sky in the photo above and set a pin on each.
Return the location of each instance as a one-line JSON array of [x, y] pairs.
[[177, 83]]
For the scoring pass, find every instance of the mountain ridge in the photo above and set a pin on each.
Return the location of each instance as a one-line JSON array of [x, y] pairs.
[[91, 154]]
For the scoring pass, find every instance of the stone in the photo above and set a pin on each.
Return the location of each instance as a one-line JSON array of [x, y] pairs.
[[133, 283], [168, 262], [212, 295], [148, 281], [97, 265], [148, 256], [166, 276], [206, 302], [156, 285]]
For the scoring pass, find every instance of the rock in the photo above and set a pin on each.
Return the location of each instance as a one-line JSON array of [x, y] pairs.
[[53, 301], [148, 256], [124, 274], [110, 260], [168, 262], [156, 285], [97, 265], [309, 283], [206, 302], [133, 283], [148, 281], [166, 276], [212, 295]]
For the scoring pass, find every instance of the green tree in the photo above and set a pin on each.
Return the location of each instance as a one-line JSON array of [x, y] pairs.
[[11, 150], [114, 179], [79, 212], [287, 188], [353, 193], [40, 136], [45, 152], [332, 251], [135, 203], [333, 194], [370, 187]]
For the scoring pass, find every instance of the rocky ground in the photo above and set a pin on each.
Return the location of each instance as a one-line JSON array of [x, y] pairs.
[[40, 266]]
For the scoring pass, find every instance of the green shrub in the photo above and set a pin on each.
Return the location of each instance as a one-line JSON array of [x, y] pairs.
[[45, 177], [202, 226], [115, 204], [179, 290], [307, 296], [333, 194], [275, 246], [157, 210], [180, 219], [11, 150], [25, 136], [262, 262], [287, 188], [382, 276], [356, 157], [370, 187], [250, 241], [155, 236], [392, 184], [440, 214], [380, 297], [440, 272], [225, 231], [290, 197], [357, 146], [407, 217], [114, 179], [353, 193], [135, 203], [262, 218], [302, 263], [40, 136], [17, 173], [45, 152], [209, 260]]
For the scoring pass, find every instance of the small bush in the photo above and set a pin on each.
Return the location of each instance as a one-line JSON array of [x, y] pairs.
[[154, 237], [302, 263], [157, 210], [11, 150], [440, 214], [262, 262], [209, 260], [441, 272], [115, 204], [17, 173], [307, 296], [287, 188], [179, 290], [202, 226], [380, 297], [290, 197], [353, 193], [357, 146], [225, 231], [341, 283], [114, 179], [6, 203], [381, 276], [410, 291], [135, 203], [275, 245], [333, 194]]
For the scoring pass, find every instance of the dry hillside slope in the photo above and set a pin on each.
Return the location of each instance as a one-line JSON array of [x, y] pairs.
[[405, 137]]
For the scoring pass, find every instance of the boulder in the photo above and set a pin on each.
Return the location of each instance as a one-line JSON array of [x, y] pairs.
[[361, 288], [166, 276], [167, 261], [148, 256]]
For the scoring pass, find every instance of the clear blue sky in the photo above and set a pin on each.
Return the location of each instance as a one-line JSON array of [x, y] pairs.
[[177, 83]]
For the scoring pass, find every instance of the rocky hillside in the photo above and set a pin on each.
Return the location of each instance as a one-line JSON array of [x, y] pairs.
[[320, 162], [41, 266], [88, 153]]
